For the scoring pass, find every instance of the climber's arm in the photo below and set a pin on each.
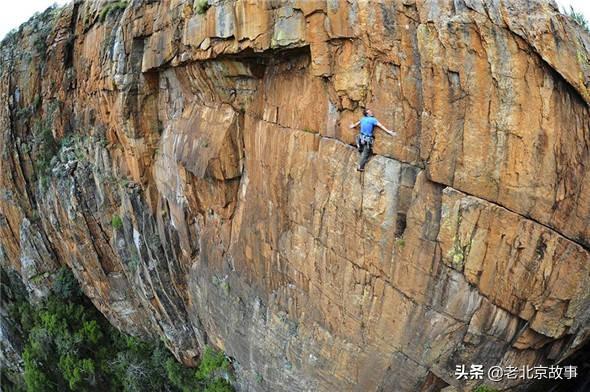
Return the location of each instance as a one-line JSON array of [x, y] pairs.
[[392, 133], [356, 124]]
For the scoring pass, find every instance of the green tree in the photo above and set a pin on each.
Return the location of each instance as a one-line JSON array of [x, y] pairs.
[[71, 346]]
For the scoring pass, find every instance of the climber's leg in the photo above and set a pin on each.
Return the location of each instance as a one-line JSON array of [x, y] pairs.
[[365, 152]]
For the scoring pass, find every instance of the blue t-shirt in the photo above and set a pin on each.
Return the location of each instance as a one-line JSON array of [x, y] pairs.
[[367, 125]]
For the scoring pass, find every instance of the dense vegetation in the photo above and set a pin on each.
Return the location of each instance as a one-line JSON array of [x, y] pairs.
[[201, 6], [111, 8], [69, 345]]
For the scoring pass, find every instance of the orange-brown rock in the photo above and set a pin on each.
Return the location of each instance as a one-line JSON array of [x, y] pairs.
[[221, 140]]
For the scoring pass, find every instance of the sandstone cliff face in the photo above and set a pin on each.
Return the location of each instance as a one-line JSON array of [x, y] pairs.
[[202, 184]]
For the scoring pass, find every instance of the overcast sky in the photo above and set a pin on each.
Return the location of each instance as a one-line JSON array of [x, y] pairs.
[[14, 13], [19, 11]]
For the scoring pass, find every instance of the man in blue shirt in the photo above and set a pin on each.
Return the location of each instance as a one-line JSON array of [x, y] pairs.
[[365, 139]]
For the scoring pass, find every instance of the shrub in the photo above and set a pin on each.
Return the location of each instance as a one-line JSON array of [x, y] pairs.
[[181, 377], [578, 17], [218, 385], [400, 242], [116, 222], [201, 6], [46, 147], [70, 346], [40, 45], [211, 361], [111, 8], [65, 284]]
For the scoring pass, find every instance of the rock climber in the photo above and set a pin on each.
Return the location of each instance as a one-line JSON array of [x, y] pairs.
[[365, 138]]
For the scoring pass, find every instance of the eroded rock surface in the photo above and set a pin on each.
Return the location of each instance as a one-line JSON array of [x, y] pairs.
[[196, 172]]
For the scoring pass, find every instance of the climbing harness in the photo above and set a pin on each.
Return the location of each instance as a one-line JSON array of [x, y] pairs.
[[362, 139]]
